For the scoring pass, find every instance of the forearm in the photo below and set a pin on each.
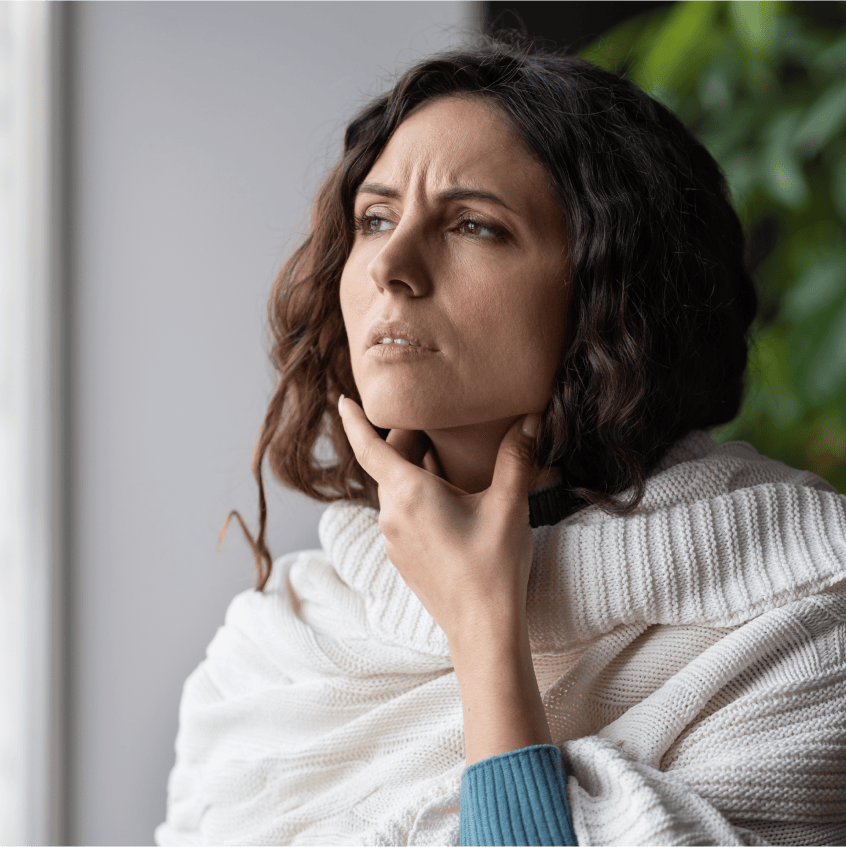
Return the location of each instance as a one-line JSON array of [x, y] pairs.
[[502, 705]]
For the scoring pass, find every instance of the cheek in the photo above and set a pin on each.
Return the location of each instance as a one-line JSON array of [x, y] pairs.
[[343, 293], [351, 297], [526, 307], [529, 323], [501, 349], [551, 318]]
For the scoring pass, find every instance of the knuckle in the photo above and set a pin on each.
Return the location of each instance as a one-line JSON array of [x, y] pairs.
[[414, 491], [366, 455]]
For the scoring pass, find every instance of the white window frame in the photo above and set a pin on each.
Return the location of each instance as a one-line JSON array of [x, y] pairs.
[[32, 379]]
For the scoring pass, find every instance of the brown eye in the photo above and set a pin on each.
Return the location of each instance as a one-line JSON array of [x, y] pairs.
[[477, 229], [372, 224]]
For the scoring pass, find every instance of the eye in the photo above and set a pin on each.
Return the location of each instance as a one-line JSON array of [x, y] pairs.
[[372, 224], [472, 226], [477, 229]]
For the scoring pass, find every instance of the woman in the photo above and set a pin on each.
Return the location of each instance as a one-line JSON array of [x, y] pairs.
[[548, 608]]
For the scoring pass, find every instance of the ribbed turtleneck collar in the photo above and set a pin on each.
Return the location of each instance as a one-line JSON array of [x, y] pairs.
[[721, 535], [548, 505], [552, 503]]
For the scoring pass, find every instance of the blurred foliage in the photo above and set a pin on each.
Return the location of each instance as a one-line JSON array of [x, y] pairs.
[[763, 85]]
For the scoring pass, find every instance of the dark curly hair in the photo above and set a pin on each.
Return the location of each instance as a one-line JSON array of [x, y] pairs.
[[661, 299]]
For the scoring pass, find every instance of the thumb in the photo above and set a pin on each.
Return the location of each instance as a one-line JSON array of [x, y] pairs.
[[515, 468]]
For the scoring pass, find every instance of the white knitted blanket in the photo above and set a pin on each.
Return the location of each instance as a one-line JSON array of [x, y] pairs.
[[691, 658]]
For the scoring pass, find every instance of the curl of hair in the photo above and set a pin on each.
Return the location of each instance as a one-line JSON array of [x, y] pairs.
[[661, 299]]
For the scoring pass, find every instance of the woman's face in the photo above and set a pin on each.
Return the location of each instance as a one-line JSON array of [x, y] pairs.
[[461, 245]]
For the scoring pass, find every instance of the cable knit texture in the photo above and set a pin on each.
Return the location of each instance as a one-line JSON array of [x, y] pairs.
[[691, 657]]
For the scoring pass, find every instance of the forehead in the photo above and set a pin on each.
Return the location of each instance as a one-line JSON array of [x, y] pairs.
[[462, 142]]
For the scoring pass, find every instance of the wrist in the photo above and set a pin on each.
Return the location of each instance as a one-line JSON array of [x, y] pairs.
[[490, 636], [493, 662], [501, 702]]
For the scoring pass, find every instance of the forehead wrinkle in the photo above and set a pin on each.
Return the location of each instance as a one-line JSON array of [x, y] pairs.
[[426, 163], [443, 181], [434, 162]]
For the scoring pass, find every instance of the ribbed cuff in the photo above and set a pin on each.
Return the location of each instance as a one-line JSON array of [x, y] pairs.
[[516, 798]]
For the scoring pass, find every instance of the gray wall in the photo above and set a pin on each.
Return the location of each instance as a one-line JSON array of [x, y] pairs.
[[198, 133]]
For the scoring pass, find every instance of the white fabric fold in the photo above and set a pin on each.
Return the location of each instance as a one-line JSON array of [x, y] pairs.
[[691, 657]]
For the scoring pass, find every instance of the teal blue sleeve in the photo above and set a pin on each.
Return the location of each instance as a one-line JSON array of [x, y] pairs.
[[516, 798]]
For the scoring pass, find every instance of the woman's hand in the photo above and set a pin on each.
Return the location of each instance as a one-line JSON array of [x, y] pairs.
[[466, 556]]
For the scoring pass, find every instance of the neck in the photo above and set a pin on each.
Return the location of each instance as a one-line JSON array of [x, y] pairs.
[[467, 455]]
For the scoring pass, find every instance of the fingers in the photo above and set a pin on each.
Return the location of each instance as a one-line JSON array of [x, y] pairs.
[[378, 458], [388, 461], [515, 467]]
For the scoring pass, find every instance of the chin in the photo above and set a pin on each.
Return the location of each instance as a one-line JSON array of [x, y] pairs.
[[384, 417], [396, 412], [411, 405]]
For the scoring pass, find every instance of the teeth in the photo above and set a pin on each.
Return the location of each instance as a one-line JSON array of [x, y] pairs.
[[398, 341]]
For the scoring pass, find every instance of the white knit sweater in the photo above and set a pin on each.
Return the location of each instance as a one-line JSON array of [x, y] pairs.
[[691, 658]]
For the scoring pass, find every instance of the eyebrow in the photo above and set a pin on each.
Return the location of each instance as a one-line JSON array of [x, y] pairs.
[[383, 190]]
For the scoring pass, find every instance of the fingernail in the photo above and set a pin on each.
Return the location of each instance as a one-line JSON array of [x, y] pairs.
[[530, 425], [341, 404]]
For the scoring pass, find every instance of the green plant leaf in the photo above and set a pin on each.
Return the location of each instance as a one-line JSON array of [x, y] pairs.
[[756, 24], [831, 59], [782, 174], [838, 186], [622, 45], [715, 87], [821, 283], [784, 407], [740, 173], [680, 49], [827, 370], [763, 85], [825, 119]]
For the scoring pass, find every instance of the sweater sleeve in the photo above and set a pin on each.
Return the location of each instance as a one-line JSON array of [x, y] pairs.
[[516, 798]]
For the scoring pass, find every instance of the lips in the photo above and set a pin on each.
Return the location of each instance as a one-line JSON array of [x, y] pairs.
[[397, 329]]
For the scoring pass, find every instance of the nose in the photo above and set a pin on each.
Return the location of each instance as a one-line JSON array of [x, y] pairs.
[[403, 264]]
